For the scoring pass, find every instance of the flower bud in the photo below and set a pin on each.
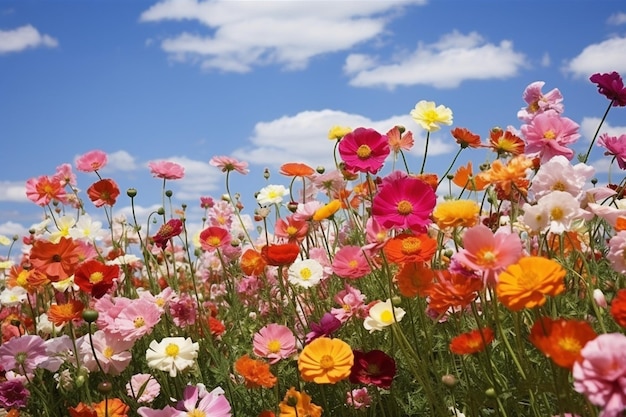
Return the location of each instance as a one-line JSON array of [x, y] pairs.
[[266, 173], [131, 192], [169, 193], [491, 393], [449, 380], [320, 169], [90, 315], [105, 387]]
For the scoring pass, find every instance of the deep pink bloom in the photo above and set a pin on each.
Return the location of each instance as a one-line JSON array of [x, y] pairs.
[[601, 374], [195, 398], [611, 86], [540, 103], [404, 202], [91, 161], [166, 170], [171, 229], [227, 164], [183, 310], [364, 150], [326, 327], [374, 367], [13, 394], [274, 342], [351, 304], [206, 202], [214, 237], [43, 190], [614, 146], [549, 135], [350, 262], [23, 354]]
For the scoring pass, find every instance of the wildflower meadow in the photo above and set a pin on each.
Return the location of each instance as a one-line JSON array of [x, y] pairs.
[[370, 288]]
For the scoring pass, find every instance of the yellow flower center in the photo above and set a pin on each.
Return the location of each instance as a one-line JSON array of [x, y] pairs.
[[139, 322], [96, 277], [486, 257], [327, 362], [549, 134], [108, 352], [213, 241], [305, 273], [196, 413], [431, 116], [570, 344], [22, 279], [353, 263], [405, 207], [556, 213], [411, 245], [172, 350], [291, 230], [363, 152], [386, 316], [274, 346], [558, 186]]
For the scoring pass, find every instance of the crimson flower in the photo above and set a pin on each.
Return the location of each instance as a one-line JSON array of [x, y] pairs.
[[373, 368], [611, 86], [171, 229], [103, 192], [95, 278], [280, 254]]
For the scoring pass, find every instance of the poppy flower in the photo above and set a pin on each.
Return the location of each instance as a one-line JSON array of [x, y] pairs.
[[452, 291], [251, 262], [95, 278], [43, 190], [171, 229], [430, 116], [111, 407], [256, 373], [91, 161], [611, 86], [618, 308], [407, 247], [296, 169], [373, 368], [214, 237], [103, 192], [56, 260], [325, 361], [504, 142], [464, 177], [465, 138], [280, 254], [166, 170], [561, 340], [471, 342], [364, 150]]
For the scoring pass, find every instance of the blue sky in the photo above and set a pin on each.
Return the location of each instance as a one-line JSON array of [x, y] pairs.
[[263, 81]]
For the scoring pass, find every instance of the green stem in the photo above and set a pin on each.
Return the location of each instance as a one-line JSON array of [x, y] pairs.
[[584, 160], [425, 152]]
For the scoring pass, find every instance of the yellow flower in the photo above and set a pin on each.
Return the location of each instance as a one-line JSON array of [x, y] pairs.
[[298, 404], [430, 117], [327, 210], [337, 132], [325, 361], [454, 213]]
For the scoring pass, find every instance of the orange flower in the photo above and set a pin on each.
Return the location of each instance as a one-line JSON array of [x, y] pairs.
[[453, 291], [298, 404], [280, 254], [325, 361], [526, 283], [429, 178], [252, 263], [471, 342], [410, 248], [82, 410], [113, 407], [415, 278], [620, 224], [296, 169], [455, 213], [464, 178], [57, 260], [60, 314], [561, 340], [465, 138], [504, 142], [618, 308], [18, 277], [255, 373], [505, 176]]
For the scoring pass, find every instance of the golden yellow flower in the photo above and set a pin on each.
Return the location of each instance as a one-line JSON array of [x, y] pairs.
[[327, 210], [325, 361], [337, 132], [298, 404], [454, 213]]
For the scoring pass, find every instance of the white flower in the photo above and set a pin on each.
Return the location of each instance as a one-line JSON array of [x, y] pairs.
[[44, 325], [5, 241], [64, 224], [306, 273], [272, 194], [12, 297], [381, 315], [87, 228], [563, 209], [172, 354]]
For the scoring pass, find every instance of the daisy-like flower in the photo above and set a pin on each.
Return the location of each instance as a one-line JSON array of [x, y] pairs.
[[414, 279], [111, 353], [407, 247], [549, 135], [471, 342], [558, 174], [272, 194], [505, 142], [359, 398], [325, 361], [557, 210], [350, 262], [381, 315], [197, 401], [95, 278], [298, 404], [364, 150], [456, 213], [291, 228], [172, 354], [86, 228], [166, 170], [430, 117], [561, 340], [227, 164], [70, 311], [296, 169], [611, 86], [274, 342], [615, 146], [56, 260], [214, 237], [23, 354], [91, 161], [351, 302], [306, 273], [539, 103], [452, 292]]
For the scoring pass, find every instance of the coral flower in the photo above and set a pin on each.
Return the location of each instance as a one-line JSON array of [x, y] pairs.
[[280, 254], [166, 170], [430, 117], [505, 142], [227, 164], [464, 178], [406, 247], [251, 262], [103, 192], [526, 283], [172, 228], [611, 86], [350, 262], [471, 342], [82, 410], [56, 260], [274, 342], [214, 237], [325, 361], [452, 291], [296, 169], [398, 141], [95, 278], [456, 213], [111, 407], [415, 279], [298, 404], [43, 190], [364, 150], [91, 161], [374, 367], [465, 138], [291, 228], [403, 202], [561, 340], [60, 314], [255, 373], [618, 308], [508, 176]]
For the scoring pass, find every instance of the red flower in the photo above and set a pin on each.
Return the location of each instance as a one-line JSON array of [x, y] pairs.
[[561, 340], [103, 192], [56, 260], [465, 138], [95, 278], [618, 308], [471, 342], [611, 86], [280, 254], [216, 327], [373, 368], [169, 230]]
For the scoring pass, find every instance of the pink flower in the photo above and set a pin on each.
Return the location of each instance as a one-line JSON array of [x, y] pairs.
[[168, 411], [214, 237], [359, 398], [274, 342], [350, 262], [617, 252], [540, 103], [227, 164], [129, 319], [614, 146], [91, 161], [291, 228], [601, 374], [548, 135], [487, 252], [611, 86], [146, 384], [183, 310], [112, 353], [364, 150], [65, 175], [166, 170], [22, 354], [559, 174], [198, 401], [206, 202], [351, 304], [43, 190], [399, 142], [403, 202]]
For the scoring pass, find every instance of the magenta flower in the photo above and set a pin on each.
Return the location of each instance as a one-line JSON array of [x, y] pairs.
[[13, 394], [548, 135], [274, 342], [327, 326], [197, 401], [350, 262], [614, 146], [91, 161], [227, 164], [166, 170], [611, 86], [540, 103], [183, 310], [23, 354], [404, 202], [364, 150], [601, 374]]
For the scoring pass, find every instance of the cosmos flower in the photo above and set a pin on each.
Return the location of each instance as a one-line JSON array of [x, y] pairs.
[[430, 117], [166, 170], [172, 354], [364, 150]]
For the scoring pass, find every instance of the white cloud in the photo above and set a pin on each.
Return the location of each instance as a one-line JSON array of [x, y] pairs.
[[13, 191], [121, 161], [617, 19], [445, 64], [589, 125], [545, 60], [10, 229], [241, 35], [24, 37], [601, 57], [199, 180], [304, 137]]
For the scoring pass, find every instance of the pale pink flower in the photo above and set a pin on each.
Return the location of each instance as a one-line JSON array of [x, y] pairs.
[[166, 170], [558, 174], [601, 374], [350, 262], [305, 211], [608, 213], [549, 135], [197, 401], [330, 182], [274, 342], [227, 164], [91, 161], [359, 398], [221, 214], [617, 252], [129, 319], [487, 252], [615, 146], [112, 353], [351, 304], [539, 103], [168, 411], [65, 175], [161, 300], [22, 354], [183, 310], [559, 209], [146, 382], [599, 298]]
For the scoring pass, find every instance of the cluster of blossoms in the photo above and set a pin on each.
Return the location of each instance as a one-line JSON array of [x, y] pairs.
[[369, 292]]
